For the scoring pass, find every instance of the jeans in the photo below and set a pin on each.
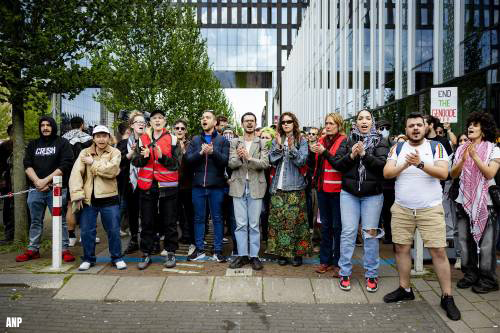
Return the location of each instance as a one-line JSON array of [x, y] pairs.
[[37, 202], [331, 228], [215, 198], [164, 223], [353, 208], [110, 219], [247, 233], [479, 268]]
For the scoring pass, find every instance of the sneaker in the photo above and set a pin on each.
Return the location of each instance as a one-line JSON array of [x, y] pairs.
[[72, 241], [458, 263], [164, 253], [191, 249], [482, 288], [219, 257], [323, 268], [120, 265], [133, 246], [97, 240], [345, 283], [372, 284], [162, 237], [145, 263], [399, 294], [84, 266], [448, 305], [465, 283], [225, 240], [196, 255], [67, 256], [170, 260], [239, 262], [28, 255], [256, 264]]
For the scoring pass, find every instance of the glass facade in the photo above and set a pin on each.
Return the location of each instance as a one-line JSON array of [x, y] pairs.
[[387, 54]]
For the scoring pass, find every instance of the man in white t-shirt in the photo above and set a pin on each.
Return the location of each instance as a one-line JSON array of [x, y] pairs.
[[418, 165]]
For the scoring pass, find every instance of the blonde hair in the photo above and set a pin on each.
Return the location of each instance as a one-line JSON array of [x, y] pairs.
[[133, 115], [269, 131], [337, 119]]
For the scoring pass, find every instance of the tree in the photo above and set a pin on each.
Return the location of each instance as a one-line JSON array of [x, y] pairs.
[[42, 47], [157, 59]]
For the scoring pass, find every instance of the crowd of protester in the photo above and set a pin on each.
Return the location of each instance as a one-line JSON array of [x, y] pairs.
[[319, 190]]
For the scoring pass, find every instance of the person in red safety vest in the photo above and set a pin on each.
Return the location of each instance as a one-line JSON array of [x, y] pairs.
[[328, 182], [157, 157]]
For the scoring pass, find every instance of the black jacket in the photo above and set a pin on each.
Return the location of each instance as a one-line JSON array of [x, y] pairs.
[[208, 170], [374, 164], [47, 154]]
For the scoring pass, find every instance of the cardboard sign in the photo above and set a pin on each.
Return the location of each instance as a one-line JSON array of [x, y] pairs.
[[444, 104]]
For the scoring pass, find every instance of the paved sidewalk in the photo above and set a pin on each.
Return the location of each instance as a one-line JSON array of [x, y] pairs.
[[42, 313]]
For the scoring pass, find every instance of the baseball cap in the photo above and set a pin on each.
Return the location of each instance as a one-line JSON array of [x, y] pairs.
[[100, 129], [157, 111]]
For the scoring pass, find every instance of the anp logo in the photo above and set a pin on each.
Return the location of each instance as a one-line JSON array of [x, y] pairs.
[[13, 321]]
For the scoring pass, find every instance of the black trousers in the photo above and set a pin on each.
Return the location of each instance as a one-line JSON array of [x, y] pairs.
[[386, 215], [479, 268], [163, 207], [186, 215], [133, 209], [8, 217]]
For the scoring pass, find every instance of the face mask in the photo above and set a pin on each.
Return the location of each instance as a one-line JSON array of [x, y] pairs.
[[385, 133]]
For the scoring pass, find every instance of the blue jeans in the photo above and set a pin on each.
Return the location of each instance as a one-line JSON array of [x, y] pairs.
[[37, 203], [215, 198], [247, 214], [353, 208], [331, 228], [110, 218]]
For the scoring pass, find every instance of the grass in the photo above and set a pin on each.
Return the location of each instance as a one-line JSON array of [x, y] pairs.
[[16, 296], [20, 246]]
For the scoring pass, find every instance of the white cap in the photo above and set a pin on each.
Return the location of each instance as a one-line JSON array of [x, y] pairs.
[[100, 129]]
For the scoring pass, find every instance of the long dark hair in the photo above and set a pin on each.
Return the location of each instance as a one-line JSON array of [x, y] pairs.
[[296, 129]]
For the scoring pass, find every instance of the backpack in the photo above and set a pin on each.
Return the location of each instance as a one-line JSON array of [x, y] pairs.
[[433, 147]]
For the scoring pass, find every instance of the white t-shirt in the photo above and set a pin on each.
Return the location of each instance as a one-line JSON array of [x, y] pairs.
[[248, 144], [495, 154], [415, 189], [282, 171]]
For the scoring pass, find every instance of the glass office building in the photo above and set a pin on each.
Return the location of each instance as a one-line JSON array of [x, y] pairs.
[[387, 54]]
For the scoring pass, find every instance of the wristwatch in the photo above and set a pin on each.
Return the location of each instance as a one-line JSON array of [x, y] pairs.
[[420, 165]]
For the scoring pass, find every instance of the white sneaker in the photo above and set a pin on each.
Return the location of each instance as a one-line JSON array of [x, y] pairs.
[[123, 233], [72, 242], [97, 240], [458, 263], [84, 266], [120, 265], [191, 249], [164, 253]]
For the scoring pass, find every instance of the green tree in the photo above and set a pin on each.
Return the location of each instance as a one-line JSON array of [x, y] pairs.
[[42, 46], [157, 59]]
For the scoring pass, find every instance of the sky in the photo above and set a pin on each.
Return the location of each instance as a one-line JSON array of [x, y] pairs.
[[247, 100]]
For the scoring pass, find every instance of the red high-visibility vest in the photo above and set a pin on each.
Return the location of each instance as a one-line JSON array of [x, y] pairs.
[[154, 170], [332, 179]]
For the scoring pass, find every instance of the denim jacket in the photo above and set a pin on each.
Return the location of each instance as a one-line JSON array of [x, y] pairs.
[[292, 160]]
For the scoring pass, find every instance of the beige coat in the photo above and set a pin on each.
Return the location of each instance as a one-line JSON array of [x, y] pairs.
[[255, 166], [100, 176]]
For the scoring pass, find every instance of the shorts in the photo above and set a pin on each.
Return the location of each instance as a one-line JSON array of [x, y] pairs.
[[429, 221]]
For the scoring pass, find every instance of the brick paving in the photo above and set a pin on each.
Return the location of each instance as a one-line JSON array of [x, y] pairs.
[[41, 313]]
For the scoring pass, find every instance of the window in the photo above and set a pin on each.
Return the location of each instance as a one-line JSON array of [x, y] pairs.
[[214, 15], [284, 15]]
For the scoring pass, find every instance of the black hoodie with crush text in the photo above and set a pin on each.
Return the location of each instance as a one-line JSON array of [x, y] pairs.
[[48, 153]]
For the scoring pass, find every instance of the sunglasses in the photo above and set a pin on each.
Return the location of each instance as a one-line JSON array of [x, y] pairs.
[[287, 122], [180, 128], [384, 128], [312, 134]]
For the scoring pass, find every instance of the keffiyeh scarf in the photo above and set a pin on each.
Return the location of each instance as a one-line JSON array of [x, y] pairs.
[[370, 141]]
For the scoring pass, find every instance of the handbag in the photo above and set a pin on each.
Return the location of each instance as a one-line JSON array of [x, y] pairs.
[[494, 191]]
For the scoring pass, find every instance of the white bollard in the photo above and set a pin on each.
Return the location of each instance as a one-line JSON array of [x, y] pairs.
[[418, 260], [57, 223]]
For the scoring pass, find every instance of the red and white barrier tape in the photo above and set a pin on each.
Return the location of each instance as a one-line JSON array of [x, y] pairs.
[[12, 194]]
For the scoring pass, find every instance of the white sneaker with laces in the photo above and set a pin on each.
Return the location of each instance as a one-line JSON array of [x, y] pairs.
[[72, 242], [120, 265], [164, 253], [191, 249], [84, 266]]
